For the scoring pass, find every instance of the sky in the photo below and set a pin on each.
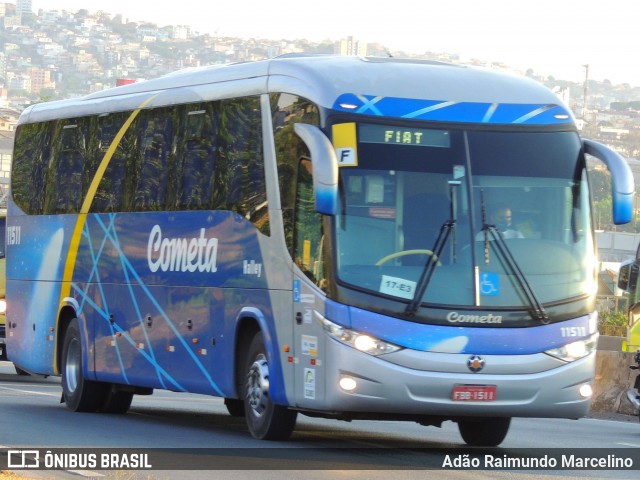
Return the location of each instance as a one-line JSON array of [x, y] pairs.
[[551, 37]]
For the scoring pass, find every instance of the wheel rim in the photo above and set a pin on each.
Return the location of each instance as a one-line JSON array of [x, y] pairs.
[[72, 365], [258, 386]]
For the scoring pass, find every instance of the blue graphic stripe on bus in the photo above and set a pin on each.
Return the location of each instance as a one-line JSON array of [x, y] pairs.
[[86, 300], [105, 313], [94, 277], [131, 275], [112, 233], [103, 237], [447, 111], [464, 338]]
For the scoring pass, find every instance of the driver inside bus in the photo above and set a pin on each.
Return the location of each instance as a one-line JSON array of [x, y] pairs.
[[502, 218]]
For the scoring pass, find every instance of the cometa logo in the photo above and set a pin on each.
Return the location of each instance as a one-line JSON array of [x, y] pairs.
[[181, 254], [456, 317]]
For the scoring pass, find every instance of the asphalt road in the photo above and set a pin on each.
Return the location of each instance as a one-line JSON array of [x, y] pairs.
[[196, 431]]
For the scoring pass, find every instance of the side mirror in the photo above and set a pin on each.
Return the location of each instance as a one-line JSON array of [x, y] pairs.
[[324, 165], [628, 275], [622, 184]]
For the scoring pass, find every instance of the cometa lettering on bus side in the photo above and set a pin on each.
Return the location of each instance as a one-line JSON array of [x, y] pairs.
[[455, 317], [182, 254]]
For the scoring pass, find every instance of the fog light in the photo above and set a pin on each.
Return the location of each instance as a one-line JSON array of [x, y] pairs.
[[586, 391], [347, 384]]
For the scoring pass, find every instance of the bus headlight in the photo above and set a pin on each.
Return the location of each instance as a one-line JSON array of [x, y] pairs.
[[359, 341], [575, 350], [3, 306]]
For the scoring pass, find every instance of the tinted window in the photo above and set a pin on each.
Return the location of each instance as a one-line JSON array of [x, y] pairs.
[[31, 154], [199, 156], [287, 110], [114, 191], [64, 174], [156, 129]]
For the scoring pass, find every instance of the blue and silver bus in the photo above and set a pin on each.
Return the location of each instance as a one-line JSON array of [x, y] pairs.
[[350, 238]]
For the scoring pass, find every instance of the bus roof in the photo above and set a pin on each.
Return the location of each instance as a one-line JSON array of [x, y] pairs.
[[320, 78]]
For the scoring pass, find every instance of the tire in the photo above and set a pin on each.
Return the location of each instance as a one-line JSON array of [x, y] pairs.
[[116, 401], [234, 406], [487, 432], [266, 421], [20, 371], [80, 394]]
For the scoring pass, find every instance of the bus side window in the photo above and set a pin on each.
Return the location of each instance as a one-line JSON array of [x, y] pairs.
[[241, 172], [151, 186], [198, 158], [64, 179], [308, 231], [286, 110], [110, 192], [29, 167]]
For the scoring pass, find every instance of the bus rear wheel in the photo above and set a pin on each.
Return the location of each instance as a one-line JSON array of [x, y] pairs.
[[234, 406], [266, 421], [20, 371], [116, 401], [79, 393], [485, 432]]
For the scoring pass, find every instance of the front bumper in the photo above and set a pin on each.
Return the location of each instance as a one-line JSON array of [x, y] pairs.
[[421, 384]]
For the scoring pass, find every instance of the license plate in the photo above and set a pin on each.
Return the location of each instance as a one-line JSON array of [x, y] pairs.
[[474, 393]]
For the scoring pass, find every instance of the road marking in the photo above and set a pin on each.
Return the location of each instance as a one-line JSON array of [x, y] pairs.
[[86, 473], [630, 445], [617, 422], [29, 392]]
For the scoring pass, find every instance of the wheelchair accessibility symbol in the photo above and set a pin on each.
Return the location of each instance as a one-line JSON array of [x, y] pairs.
[[489, 284]]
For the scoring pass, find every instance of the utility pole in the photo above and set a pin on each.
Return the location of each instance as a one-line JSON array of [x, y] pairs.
[[586, 92]]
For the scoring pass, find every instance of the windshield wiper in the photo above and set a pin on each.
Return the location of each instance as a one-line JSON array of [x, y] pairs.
[[448, 228], [432, 262], [537, 309]]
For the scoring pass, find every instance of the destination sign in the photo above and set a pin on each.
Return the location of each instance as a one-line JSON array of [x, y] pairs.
[[392, 135]]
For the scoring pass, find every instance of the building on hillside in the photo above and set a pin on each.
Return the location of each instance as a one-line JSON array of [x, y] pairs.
[[351, 46], [24, 7], [8, 120], [6, 154]]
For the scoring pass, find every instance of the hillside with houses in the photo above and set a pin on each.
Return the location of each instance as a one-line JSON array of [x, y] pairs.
[[55, 54]]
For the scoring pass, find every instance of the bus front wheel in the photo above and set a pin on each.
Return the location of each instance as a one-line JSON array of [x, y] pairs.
[[486, 432], [80, 394], [266, 421]]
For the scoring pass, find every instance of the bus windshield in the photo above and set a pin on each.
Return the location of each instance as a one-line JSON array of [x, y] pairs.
[[495, 213]]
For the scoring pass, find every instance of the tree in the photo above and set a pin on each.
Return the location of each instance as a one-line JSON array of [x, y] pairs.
[[47, 95]]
